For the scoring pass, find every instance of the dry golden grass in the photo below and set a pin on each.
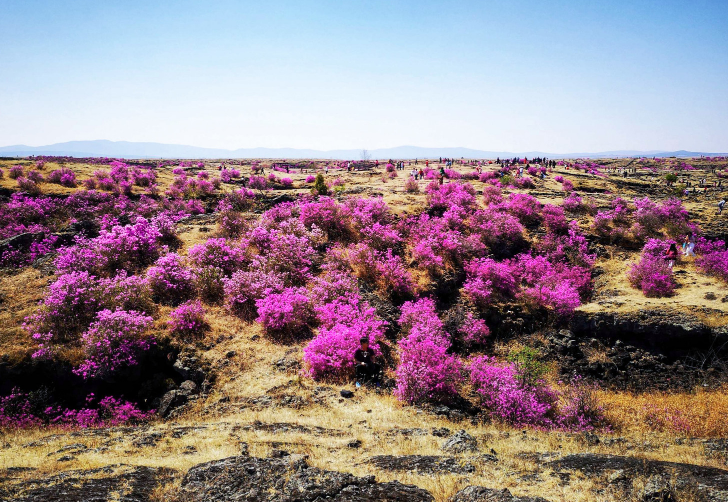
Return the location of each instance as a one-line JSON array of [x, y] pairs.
[[697, 414]]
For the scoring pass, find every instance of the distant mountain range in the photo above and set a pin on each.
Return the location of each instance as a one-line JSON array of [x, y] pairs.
[[132, 150]]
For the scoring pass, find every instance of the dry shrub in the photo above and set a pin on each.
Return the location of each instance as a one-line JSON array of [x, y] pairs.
[[700, 413]]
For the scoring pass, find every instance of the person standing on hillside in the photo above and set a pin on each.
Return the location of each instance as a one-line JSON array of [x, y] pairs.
[[721, 205]]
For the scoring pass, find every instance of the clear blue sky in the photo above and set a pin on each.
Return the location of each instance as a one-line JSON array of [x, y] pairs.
[[557, 76]]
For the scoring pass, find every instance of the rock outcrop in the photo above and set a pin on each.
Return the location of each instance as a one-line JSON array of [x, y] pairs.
[[287, 479]]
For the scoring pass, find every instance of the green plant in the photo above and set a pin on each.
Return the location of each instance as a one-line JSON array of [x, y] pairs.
[[319, 186], [528, 365]]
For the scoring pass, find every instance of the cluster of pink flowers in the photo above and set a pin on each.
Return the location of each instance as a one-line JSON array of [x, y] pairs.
[[426, 371], [712, 258], [115, 340], [170, 281], [26, 409], [344, 319], [643, 220], [287, 314], [187, 322], [652, 274], [65, 177], [516, 401]]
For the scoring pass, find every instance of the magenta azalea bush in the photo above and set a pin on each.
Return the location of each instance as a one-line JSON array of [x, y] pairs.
[[25, 409], [170, 281], [652, 274], [188, 322], [512, 400], [426, 371], [287, 314], [115, 340]]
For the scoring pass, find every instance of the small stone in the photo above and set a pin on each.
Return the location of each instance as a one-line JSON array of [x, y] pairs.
[[230, 354], [441, 432], [188, 387], [460, 442], [710, 296], [355, 443], [346, 394], [66, 458], [657, 489], [591, 439]]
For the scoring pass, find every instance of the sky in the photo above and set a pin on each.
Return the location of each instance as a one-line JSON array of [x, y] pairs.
[[505, 75]]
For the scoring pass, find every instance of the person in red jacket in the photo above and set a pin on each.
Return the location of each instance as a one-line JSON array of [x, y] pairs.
[[671, 255]]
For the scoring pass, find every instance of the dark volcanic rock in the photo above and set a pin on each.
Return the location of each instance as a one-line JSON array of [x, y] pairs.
[[673, 333], [482, 494], [710, 482], [128, 483], [287, 479], [422, 464]]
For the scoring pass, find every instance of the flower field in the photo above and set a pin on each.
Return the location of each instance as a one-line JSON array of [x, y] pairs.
[[116, 271]]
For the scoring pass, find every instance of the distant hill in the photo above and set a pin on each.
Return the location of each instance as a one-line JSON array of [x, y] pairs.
[[133, 150]]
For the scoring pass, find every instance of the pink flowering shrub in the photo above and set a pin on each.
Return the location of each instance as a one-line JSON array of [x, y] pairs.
[[488, 282], [15, 172], [65, 177], [35, 177], [411, 185], [554, 219], [385, 269], [287, 249], [567, 186], [217, 252], [506, 396], [524, 207], [712, 258], [170, 281], [442, 197], [492, 195], [501, 232], [518, 401], [474, 331], [287, 314], [344, 321], [28, 186], [652, 275], [257, 183], [68, 307], [426, 372], [115, 340], [245, 287], [328, 215], [32, 409], [572, 202], [310, 178], [188, 321]]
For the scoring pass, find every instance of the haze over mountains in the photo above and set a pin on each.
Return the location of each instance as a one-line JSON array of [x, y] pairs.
[[132, 150]]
